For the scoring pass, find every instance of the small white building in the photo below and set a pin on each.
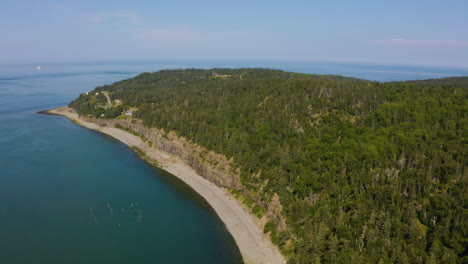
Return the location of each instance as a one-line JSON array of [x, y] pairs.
[[97, 93], [129, 113], [117, 101]]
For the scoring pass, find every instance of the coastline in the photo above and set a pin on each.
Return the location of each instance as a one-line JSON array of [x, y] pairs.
[[254, 246]]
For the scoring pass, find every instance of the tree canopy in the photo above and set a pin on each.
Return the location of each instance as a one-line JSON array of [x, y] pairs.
[[366, 172]]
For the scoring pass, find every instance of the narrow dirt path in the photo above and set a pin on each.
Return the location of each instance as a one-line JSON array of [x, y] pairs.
[[109, 102]]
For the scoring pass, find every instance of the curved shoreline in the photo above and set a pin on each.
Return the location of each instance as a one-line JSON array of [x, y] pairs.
[[254, 246]]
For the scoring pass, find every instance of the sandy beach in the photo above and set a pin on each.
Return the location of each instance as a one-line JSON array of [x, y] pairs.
[[254, 246]]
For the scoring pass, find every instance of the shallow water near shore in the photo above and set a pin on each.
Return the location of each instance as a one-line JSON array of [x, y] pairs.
[[72, 195]]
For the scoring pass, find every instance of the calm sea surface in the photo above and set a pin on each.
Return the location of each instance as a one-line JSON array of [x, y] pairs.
[[72, 195]]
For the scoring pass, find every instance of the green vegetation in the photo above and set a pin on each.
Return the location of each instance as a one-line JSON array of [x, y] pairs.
[[366, 172], [256, 209], [133, 132], [95, 105]]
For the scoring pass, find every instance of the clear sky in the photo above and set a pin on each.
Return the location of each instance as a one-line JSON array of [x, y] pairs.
[[426, 32]]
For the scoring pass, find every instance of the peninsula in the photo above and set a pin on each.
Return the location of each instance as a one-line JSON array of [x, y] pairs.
[[300, 167], [255, 247]]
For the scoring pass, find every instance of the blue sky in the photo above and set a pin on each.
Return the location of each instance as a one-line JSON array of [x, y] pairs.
[[406, 32]]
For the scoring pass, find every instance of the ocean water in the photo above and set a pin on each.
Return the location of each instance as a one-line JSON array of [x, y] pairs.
[[72, 195]]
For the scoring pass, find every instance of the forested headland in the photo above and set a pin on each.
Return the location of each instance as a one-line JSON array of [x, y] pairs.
[[365, 172]]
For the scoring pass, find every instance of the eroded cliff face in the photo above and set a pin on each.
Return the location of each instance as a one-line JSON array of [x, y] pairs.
[[211, 166], [208, 164]]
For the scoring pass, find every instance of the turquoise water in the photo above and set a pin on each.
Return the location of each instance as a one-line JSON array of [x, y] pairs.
[[71, 195]]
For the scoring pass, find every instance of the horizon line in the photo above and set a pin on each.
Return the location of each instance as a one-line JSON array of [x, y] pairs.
[[357, 62]]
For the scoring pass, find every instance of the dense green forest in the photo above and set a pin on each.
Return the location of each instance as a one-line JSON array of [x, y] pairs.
[[366, 172]]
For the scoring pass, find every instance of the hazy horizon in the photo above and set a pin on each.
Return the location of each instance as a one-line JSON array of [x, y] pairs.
[[142, 61], [420, 33]]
